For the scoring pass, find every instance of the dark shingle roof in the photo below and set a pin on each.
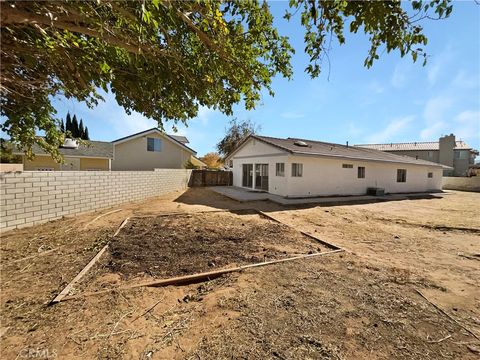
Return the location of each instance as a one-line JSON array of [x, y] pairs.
[[411, 146], [100, 149], [320, 148], [175, 138], [179, 138]]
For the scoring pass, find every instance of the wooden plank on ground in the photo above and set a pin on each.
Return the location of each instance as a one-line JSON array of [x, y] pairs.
[[92, 262], [200, 276]]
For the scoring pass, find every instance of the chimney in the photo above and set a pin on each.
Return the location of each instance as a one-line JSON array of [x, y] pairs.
[[446, 146], [347, 143]]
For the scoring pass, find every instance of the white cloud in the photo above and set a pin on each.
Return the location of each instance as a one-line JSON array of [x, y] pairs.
[[131, 124], [433, 131], [204, 114], [400, 75], [354, 130], [466, 81], [434, 115], [292, 115], [433, 72], [436, 107], [375, 87], [393, 129], [467, 125], [436, 66]]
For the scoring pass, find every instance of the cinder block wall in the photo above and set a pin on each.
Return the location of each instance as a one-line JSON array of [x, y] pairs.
[[33, 197], [461, 183]]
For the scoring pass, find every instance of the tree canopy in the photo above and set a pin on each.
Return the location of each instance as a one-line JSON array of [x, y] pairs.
[[213, 160], [165, 58], [73, 128], [236, 132]]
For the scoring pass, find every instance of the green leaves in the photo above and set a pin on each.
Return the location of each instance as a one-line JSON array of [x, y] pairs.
[[386, 23], [164, 59]]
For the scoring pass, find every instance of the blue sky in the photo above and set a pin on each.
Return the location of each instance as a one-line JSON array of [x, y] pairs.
[[394, 101]]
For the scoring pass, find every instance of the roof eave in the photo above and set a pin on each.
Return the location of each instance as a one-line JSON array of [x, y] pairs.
[[366, 159]]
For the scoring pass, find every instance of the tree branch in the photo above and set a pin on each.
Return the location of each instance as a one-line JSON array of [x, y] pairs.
[[12, 16]]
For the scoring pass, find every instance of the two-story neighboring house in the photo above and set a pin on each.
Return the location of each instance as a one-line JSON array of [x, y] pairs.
[[446, 151], [144, 151], [151, 149]]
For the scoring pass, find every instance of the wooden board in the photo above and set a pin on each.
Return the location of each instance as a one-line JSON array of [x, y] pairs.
[[200, 276]]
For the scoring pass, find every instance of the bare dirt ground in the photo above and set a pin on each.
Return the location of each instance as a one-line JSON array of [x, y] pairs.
[[361, 304]]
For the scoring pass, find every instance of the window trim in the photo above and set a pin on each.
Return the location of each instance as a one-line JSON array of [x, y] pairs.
[[277, 171], [297, 170], [361, 172], [401, 175], [154, 139]]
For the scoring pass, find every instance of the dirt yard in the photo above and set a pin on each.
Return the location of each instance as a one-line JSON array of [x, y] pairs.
[[364, 303]]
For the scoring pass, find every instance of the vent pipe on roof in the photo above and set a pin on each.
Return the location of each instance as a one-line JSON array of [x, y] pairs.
[[70, 143], [300, 143]]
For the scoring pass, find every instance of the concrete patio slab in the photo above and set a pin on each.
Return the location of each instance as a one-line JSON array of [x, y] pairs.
[[245, 195]]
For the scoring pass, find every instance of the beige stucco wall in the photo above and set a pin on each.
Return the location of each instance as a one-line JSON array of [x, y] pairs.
[[324, 176], [133, 155], [422, 154], [5, 167], [93, 164], [40, 162], [71, 163]]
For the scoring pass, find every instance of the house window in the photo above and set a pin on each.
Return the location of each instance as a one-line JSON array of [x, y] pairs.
[[462, 154], [347, 166], [153, 144], [430, 175], [280, 169], [361, 172], [297, 170], [401, 175]]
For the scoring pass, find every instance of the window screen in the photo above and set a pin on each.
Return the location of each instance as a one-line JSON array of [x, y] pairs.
[[280, 169], [361, 172], [297, 170], [153, 144], [401, 175]]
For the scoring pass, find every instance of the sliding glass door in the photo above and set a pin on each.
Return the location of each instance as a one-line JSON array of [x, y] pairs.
[[247, 177], [261, 177]]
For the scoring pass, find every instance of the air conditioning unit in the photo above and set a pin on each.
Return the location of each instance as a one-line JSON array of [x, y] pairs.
[[375, 191]]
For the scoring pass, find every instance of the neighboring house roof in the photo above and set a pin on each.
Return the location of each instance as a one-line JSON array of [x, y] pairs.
[[182, 139], [319, 148], [95, 149], [197, 161], [411, 146], [175, 139]]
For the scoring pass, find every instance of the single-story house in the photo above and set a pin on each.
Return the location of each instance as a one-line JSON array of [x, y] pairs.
[[95, 155], [151, 149], [306, 168]]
